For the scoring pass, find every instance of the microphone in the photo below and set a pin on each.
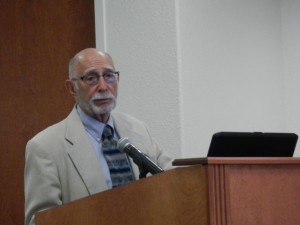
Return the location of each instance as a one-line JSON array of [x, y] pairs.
[[143, 161]]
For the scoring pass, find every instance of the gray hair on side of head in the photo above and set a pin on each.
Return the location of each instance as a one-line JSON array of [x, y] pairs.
[[71, 67]]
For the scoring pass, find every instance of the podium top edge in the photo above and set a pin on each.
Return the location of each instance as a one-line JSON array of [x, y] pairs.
[[235, 160]]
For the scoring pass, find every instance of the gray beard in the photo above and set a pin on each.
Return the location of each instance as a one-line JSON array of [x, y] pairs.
[[99, 110]]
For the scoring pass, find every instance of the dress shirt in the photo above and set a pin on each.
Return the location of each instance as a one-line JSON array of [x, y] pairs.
[[94, 129]]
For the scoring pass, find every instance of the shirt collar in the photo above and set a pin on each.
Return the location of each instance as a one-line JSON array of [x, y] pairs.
[[93, 126]]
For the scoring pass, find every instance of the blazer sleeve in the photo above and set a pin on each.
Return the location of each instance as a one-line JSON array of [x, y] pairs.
[[157, 154], [41, 184]]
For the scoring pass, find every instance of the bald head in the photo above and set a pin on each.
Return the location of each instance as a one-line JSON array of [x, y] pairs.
[[84, 56], [95, 99]]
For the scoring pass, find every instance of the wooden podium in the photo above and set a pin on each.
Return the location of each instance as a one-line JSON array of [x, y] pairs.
[[206, 191]]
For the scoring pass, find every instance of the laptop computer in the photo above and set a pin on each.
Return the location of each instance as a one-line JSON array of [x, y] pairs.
[[252, 144]]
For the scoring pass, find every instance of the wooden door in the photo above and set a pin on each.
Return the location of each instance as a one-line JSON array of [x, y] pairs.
[[37, 38]]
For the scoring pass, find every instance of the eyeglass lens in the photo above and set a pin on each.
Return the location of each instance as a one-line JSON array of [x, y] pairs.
[[93, 79]]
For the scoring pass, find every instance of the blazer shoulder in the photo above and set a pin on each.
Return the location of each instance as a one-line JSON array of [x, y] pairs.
[[54, 131], [126, 118], [57, 130]]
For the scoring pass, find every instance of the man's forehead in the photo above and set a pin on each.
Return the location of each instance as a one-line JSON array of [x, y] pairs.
[[96, 61], [98, 69]]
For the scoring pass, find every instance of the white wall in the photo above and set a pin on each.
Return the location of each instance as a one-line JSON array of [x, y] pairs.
[[141, 38], [195, 67], [291, 61], [231, 68]]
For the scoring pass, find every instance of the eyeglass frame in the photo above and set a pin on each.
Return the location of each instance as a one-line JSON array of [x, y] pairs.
[[83, 78]]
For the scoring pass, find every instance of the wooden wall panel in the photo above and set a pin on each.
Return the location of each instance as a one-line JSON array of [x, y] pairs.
[[37, 38]]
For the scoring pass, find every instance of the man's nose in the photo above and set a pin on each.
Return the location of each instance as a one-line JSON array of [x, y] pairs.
[[102, 85]]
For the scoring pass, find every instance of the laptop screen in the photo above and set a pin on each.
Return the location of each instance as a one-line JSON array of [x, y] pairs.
[[252, 144]]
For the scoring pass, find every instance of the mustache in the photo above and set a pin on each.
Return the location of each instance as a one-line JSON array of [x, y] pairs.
[[99, 96]]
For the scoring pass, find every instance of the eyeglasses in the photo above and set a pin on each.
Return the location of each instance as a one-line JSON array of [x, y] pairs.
[[93, 79]]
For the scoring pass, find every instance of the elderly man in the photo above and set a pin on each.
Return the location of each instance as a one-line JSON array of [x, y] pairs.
[[70, 160]]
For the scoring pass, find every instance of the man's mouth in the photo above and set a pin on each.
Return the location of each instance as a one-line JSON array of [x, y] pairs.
[[102, 101]]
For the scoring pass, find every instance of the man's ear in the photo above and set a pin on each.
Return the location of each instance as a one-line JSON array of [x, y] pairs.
[[70, 87]]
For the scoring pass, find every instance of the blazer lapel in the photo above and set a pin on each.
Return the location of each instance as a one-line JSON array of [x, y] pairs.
[[125, 129], [83, 156]]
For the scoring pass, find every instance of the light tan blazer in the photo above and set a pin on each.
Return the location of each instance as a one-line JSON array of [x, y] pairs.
[[61, 165]]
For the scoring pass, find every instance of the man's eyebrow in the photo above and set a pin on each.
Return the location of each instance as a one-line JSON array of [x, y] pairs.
[[94, 70], [108, 70], [90, 70]]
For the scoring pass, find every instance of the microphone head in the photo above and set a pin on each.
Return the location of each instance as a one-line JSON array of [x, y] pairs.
[[122, 143]]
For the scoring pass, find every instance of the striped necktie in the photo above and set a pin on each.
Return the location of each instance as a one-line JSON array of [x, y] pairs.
[[117, 161]]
